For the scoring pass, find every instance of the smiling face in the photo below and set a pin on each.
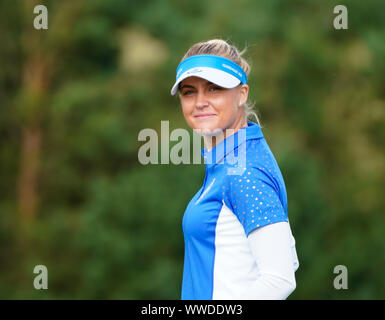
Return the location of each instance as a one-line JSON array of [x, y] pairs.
[[211, 108]]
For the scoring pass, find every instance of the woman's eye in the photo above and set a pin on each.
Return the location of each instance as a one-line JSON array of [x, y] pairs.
[[187, 92]]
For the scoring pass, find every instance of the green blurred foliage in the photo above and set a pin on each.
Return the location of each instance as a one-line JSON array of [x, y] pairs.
[[108, 227]]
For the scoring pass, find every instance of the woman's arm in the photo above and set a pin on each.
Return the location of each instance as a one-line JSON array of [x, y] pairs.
[[272, 248]]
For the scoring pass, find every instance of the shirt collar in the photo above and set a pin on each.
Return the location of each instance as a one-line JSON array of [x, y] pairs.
[[217, 154]]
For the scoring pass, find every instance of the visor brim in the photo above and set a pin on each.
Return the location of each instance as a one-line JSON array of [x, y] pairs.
[[219, 77]]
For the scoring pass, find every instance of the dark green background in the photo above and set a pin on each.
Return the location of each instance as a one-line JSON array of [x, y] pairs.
[[73, 98]]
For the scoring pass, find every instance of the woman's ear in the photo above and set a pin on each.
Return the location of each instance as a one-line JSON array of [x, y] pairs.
[[244, 94]]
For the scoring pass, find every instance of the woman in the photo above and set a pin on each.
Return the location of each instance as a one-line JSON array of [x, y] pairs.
[[238, 241]]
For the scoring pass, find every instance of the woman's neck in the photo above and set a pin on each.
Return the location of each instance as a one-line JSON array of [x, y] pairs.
[[211, 141]]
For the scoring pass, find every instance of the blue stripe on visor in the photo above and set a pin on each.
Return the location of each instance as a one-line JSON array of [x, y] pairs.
[[212, 61]]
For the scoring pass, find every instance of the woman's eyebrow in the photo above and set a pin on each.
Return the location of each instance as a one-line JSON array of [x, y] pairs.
[[186, 86], [191, 86]]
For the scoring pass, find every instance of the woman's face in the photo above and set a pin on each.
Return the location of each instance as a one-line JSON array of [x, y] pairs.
[[211, 108]]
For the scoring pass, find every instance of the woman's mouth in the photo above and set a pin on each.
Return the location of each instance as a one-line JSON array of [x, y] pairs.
[[204, 115]]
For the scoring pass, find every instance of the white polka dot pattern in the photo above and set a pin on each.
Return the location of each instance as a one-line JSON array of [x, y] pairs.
[[258, 196]]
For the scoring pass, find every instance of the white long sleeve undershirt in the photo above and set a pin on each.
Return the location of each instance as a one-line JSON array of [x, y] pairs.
[[273, 248]]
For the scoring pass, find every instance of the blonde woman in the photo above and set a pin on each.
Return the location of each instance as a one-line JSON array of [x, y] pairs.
[[238, 241]]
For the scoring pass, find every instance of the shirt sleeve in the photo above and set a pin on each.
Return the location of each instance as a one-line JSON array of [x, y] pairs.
[[272, 250], [254, 197]]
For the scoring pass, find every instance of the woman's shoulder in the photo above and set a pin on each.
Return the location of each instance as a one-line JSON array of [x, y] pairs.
[[251, 153], [251, 161]]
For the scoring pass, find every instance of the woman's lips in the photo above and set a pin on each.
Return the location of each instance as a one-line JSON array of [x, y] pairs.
[[204, 115]]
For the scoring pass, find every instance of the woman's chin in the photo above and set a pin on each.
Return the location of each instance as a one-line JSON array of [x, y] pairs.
[[208, 131], [207, 127]]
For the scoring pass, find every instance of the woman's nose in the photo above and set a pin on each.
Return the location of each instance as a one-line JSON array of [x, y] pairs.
[[201, 100]]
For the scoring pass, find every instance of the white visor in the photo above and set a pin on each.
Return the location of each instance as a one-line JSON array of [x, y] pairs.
[[219, 77]]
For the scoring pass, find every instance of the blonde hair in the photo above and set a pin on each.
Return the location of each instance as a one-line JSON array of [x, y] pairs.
[[222, 48]]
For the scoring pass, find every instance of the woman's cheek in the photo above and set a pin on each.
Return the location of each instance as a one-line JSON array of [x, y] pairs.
[[186, 110]]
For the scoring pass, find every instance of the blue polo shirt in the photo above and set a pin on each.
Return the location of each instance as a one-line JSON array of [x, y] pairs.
[[243, 189]]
